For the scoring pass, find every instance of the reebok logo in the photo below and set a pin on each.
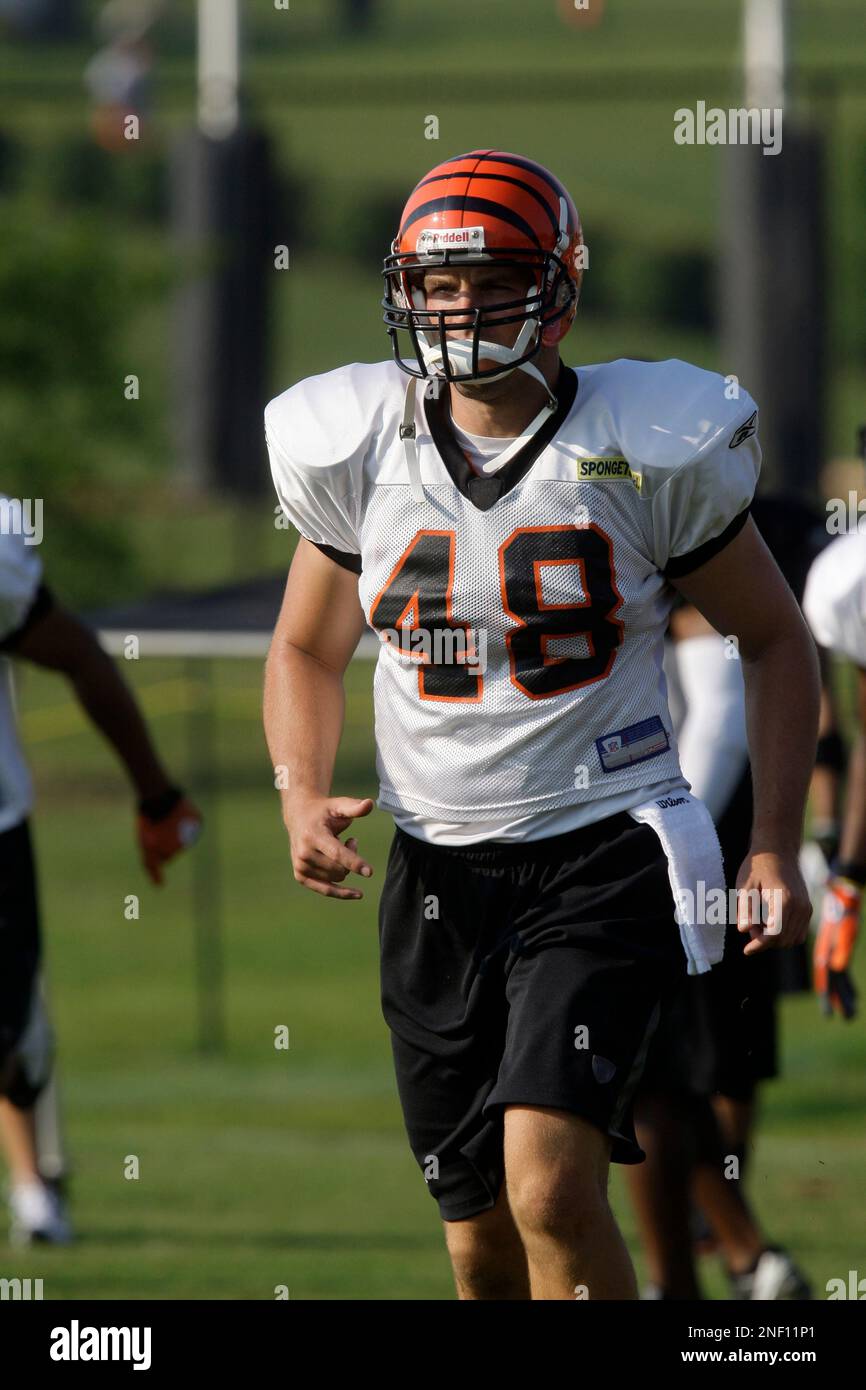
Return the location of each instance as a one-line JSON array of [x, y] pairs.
[[77, 1343], [746, 430], [667, 801]]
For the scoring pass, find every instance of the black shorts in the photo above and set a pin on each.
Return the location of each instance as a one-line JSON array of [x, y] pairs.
[[528, 974], [718, 1035], [19, 940]]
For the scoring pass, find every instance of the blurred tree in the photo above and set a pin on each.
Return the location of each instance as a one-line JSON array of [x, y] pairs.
[[75, 170], [357, 15], [42, 19], [10, 162], [71, 434]]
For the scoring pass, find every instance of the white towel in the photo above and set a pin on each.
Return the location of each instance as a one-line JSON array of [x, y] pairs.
[[695, 869]]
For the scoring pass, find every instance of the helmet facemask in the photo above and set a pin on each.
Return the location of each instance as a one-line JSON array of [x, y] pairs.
[[549, 297]]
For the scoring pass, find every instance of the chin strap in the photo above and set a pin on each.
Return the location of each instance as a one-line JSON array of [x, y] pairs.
[[550, 405], [410, 444], [407, 434], [460, 349]]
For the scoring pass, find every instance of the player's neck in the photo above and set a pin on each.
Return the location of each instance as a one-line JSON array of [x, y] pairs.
[[507, 406]]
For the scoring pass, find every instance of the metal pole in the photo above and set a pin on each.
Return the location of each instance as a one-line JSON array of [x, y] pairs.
[[219, 50], [772, 263], [207, 887], [223, 218], [765, 52]]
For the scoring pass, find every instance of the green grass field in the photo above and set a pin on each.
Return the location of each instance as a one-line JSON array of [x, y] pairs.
[[260, 1167]]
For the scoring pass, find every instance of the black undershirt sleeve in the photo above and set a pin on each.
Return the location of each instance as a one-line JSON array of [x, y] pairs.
[[680, 565], [344, 558]]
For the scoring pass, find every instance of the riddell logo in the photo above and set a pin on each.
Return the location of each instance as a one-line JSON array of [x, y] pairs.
[[671, 801], [450, 238]]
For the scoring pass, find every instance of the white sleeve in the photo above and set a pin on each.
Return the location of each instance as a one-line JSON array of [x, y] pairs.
[[317, 497], [20, 577], [690, 438], [834, 601], [676, 697], [703, 503], [818, 614], [712, 740]]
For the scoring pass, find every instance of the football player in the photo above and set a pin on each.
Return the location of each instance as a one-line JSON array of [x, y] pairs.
[[36, 627], [513, 532], [696, 1105], [835, 606]]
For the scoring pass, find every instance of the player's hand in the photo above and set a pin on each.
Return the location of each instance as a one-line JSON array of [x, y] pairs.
[[773, 906], [319, 859], [834, 947], [166, 825]]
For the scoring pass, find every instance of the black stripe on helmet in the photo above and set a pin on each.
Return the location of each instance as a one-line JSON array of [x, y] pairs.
[[503, 178], [454, 202], [527, 164]]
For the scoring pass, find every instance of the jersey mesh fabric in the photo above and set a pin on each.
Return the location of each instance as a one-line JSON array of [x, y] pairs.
[[509, 753], [652, 464]]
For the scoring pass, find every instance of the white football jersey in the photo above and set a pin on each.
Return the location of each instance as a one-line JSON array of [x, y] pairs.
[[20, 576], [522, 613], [834, 601]]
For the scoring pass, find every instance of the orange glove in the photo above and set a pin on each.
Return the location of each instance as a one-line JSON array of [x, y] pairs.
[[166, 825], [834, 947]]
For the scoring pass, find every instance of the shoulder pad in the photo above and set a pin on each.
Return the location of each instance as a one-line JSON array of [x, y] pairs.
[[663, 415], [840, 569], [330, 419], [835, 594]]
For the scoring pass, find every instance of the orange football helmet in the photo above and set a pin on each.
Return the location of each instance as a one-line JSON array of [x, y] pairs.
[[479, 207]]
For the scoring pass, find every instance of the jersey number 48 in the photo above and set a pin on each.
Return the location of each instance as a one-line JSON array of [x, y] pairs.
[[416, 600]]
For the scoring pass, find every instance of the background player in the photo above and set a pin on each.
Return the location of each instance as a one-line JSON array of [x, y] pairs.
[[835, 606], [35, 626], [698, 1100]]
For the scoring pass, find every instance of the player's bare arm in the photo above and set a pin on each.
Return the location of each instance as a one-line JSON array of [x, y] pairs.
[[852, 842], [839, 922], [59, 642], [318, 629], [825, 792], [833, 605], [742, 593], [167, 822]]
